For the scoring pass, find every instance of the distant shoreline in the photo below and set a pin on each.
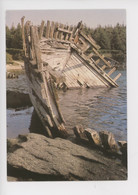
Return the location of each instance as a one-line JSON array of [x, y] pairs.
[[19, 66]]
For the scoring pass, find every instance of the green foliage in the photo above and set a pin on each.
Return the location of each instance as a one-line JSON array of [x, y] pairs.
[[14, 37], [9, 59], [17, 54], [110, 38]]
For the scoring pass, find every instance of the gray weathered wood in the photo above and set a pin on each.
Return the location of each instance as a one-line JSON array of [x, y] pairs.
[[60, 36], [97, 61], [35, 40], [111, 71], [41, 29], [52, 30], [101, 57], [117, 77], [47, 29], [103, 67], [23, 37], [56, 31]]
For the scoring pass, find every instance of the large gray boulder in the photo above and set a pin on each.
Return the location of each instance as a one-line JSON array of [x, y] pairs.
[[38, 158]]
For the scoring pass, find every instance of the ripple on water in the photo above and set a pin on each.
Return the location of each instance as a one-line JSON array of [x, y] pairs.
[[99, 109]]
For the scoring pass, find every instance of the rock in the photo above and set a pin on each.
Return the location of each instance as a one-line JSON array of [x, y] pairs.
[[108, 141], [10, 75], [123, 149], [93, 137], [79, 132], [16, 99], [38, 158]]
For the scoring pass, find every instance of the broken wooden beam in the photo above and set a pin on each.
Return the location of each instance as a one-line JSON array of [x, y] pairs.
[[101, 57], [111, 71], [64, 30], [89, 40], [97, 61], [117, 77], [103, 67]]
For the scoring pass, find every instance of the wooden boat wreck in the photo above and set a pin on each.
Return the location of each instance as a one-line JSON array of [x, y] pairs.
[[58, 57]]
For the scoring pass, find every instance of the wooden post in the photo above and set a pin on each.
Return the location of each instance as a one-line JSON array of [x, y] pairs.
[[67, 35], [41, 29], [97, 61], [23, 37], [28, 39], [35, 39], [111, 71], [103, 67], [61, 33], [47, 29], [56, 31], [52, 30], [71, 35], [117, 77], [90, 56]]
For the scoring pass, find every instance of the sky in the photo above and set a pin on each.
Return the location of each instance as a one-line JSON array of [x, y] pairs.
[[91, 17]]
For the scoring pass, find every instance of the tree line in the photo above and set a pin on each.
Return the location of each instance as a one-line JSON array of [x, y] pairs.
[[112, 40]]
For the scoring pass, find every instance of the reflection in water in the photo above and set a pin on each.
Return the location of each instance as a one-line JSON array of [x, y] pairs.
[[99, 109]]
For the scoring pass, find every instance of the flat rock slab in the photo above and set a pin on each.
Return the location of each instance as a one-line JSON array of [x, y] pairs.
[[38, 158]]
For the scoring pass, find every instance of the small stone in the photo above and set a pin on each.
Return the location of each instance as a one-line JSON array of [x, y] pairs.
[[93, 137], [108, 141], [79, 132], [123, 149]]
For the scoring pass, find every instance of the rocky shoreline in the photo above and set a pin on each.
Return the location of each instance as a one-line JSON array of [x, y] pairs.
[[34, 157]]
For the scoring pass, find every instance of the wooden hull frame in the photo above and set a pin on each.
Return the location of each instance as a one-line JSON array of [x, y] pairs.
[[65, 49]]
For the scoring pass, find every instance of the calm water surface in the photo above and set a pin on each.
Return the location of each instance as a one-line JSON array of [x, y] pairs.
[[99, 109]]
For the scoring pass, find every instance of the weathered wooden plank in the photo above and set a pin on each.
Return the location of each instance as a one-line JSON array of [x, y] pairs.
[[90, 55], [67, 35], [89, 40], [101, 57], [117, 77], [35, 41], [85, 48], [41, 114], [52, 30], [60, 36], [90, 75], [27, 39], [55, 74], [105, 79], [80, 74], [41, 29], [97, 61], [111, 71], [94, 42], [23, 37], [71, 35], [64, 30], [103, 67], [47, 29], [56, 31]]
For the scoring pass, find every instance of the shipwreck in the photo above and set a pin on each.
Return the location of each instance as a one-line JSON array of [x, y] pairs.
[[56, 58]]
